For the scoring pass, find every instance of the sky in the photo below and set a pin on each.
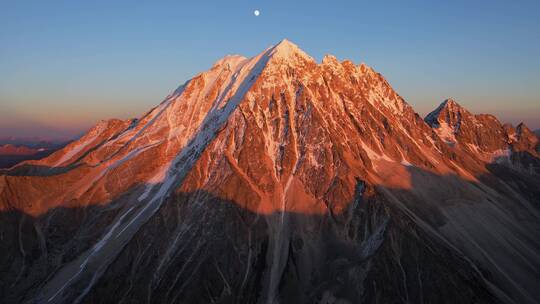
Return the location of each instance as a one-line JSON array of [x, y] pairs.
[[65, 65]]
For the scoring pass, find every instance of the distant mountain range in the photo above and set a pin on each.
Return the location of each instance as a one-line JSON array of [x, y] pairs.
[[279, 179], [15, 150], [33, 142]]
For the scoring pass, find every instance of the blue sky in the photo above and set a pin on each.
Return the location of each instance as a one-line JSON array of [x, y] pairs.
[[66, 64]]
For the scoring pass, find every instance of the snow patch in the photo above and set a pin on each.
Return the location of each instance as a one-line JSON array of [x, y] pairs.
[[406, 163], [446, 133]]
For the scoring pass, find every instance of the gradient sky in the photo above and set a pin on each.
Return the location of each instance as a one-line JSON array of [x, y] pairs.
[[64, 65]]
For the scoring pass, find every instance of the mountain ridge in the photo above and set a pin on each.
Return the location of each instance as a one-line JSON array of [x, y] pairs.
[[301, 157]]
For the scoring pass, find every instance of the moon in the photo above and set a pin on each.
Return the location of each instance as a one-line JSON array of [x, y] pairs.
[[256, 13]]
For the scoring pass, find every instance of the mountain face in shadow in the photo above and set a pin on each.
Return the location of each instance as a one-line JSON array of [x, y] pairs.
[[199, 248], [276, 179]]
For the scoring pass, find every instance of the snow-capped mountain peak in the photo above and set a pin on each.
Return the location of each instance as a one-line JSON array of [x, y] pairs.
[[285, 49], [449, 112], [311, 182]]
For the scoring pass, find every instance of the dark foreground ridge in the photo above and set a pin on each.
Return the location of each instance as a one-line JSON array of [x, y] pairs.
[[200, 248]]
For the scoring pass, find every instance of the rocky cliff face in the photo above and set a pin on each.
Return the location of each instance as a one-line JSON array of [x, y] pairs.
[[277, 179], [483, 133]]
